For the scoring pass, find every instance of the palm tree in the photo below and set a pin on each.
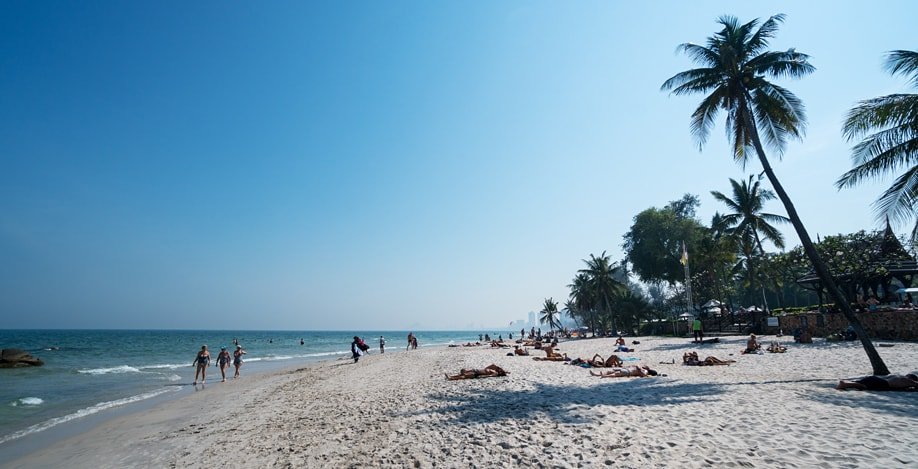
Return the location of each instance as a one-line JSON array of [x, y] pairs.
[[581, 297], [747, 203], [549, 313], [602, 283], [893, 145], [736, 66], [572, 311]]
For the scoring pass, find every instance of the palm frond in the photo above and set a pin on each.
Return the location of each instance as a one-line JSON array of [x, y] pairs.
[[703, 119], [900, 201], [791, 64], [885, 111], [903, 62], [759, 40]]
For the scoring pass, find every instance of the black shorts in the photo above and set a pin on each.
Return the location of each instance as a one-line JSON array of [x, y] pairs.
[[874, 383]]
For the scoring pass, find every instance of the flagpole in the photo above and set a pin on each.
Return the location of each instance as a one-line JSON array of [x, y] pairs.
[[688, 280]]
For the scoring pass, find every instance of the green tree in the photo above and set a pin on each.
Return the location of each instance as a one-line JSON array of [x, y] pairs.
[[581, 298], [887, 128], [549, 313], [601, 286], [735, 73], [653, 244]]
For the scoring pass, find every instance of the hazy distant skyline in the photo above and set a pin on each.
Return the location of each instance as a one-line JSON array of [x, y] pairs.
[[375, 165]]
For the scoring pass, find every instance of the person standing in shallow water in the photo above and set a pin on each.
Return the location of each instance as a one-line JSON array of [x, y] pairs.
[[410, 340], [223, 360], [382, 344], [237, 359], [201, 362]]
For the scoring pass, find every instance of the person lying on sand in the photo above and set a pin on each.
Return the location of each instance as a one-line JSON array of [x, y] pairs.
[[776, 347], [691, 359], [520, 351], [496, 344], [633, 370], [908, 382], [554, 358], [612, 362], [490, 371]]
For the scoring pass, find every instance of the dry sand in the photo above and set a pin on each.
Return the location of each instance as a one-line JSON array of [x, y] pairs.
[[397, 410]]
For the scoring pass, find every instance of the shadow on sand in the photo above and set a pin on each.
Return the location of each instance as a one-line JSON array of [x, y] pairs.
[[566, 404], [893, 402]]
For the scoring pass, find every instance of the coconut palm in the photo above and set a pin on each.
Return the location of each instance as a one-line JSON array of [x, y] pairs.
[[582, 299], [892, 145], [549, 313], [602, 283], [735, 71], [746, 206]]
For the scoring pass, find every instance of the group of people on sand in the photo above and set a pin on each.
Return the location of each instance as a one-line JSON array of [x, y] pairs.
[[202, 361]]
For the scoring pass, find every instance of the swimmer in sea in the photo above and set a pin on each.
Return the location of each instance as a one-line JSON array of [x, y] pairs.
[[201, 362]]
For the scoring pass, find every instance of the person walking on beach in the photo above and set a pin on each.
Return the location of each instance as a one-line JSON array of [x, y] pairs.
[[237, 359], [414, 342], [696, 330], [201, 362], [382, 344], [355, 348], [223, 360], [410, 340]]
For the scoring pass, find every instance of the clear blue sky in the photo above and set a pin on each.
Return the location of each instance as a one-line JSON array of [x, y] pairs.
[[361, 165]]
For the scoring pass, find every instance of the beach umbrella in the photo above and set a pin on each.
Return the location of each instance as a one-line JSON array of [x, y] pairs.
[[711, 304], [907, 290]]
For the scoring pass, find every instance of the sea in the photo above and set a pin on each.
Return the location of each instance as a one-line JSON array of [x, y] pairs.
[[92, 372]]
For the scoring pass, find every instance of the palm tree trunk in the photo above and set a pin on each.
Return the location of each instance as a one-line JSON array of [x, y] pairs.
[[879, 367]]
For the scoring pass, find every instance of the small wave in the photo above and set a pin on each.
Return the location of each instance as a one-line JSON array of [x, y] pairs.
[[168, 366], [323, 354], [105, 371], [173, 377], [30, 401], [80, 413]]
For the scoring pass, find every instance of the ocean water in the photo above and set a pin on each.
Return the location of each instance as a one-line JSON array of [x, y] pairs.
[[89, 372]]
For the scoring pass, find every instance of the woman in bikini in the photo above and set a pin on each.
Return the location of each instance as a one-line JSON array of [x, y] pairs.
[[237, 359], [223, 360], [201, 362], [633, 370], [490, 371]]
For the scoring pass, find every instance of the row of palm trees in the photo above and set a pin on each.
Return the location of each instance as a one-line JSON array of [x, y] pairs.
[[735, 73]]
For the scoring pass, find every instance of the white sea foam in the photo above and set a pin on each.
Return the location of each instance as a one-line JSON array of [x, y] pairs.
[[80, 413], [105, 371], [169, 366], [173, 377], [31, 401]]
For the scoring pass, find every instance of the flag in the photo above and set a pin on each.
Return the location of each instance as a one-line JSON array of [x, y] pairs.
[[684, 259]]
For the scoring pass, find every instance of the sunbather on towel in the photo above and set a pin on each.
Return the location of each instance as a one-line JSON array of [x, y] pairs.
[[489, 371], [633, 370]]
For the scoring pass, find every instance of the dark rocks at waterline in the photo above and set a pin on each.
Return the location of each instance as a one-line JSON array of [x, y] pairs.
[[16, 358]]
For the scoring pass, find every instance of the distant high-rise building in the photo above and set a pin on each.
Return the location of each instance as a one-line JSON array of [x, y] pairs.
[[532, 319]]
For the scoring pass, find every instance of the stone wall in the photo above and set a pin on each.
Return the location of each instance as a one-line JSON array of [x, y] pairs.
[[888, 325]]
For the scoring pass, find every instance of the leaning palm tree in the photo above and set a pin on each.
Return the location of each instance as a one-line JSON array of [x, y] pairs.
[[892, 146], [736, 68], [747, 217], [549, 313]]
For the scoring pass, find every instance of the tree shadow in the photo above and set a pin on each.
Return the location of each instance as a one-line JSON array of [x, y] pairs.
[[892, 402], [689, 345], [563, 403]]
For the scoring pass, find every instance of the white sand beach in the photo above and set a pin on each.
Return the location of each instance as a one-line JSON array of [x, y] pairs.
[[398, 410]]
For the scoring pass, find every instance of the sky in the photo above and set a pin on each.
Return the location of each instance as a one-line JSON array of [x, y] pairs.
[[376, 165]]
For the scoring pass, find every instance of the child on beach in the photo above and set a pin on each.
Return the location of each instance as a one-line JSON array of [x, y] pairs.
[[201, 362]]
